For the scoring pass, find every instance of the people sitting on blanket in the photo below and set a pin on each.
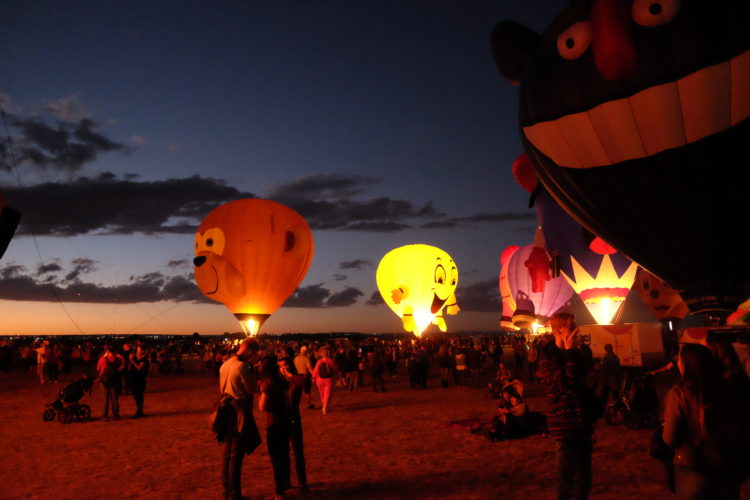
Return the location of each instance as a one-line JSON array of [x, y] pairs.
[[514, 419], [504, 379]]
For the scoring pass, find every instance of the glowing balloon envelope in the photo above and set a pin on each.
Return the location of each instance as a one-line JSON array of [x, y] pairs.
[[637, 124], [418, 282], [251, 255], [537, 297], [601, 276], [660, 298], [508, 300], [9, 219]]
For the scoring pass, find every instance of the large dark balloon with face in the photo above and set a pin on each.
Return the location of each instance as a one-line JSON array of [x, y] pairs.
[[634, 114], [9, 219]]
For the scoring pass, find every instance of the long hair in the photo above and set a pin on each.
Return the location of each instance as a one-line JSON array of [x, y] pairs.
[[701, 385], [269, 368]]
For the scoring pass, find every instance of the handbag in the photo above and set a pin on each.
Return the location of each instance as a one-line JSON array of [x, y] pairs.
[[663, 453], [659, 449]]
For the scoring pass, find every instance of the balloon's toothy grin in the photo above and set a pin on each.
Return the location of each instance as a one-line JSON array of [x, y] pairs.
[[653, 120]]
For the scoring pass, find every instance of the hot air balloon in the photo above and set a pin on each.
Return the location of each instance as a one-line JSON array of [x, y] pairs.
[[601, 276], [661, 299], [9, 219], [508, 301], [418, 282], [251, 255], [537, 295], [635, 116]]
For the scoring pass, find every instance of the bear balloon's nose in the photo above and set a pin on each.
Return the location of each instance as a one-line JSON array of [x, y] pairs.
[[198, 261]]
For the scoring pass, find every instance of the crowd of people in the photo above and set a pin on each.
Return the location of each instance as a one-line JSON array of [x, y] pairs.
[[704, 421]]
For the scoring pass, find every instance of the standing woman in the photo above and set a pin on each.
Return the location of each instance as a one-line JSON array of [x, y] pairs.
[[274, 401], [705, 422], [296, 384], [323, 375], [139, 366]]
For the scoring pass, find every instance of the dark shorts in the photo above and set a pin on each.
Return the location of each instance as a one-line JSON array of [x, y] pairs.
[[307, 385]]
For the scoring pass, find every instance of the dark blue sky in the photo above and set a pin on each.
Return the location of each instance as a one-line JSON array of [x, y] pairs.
[[390, 116]]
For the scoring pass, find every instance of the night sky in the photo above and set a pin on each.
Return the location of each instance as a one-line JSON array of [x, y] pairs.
[[383, 123]]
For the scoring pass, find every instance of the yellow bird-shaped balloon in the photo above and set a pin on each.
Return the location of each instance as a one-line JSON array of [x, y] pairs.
[[418, 282]]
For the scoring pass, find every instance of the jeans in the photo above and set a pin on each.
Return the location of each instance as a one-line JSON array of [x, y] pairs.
[[574, 468], [231, 467], [277, 441], [112, 398], [295, 435]]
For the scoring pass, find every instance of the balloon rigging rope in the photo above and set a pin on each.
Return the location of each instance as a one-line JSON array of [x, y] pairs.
[[14, 164]]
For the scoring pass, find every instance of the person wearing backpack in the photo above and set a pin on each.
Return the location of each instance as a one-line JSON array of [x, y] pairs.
[[324, 377], [570, 420], [110, 369]]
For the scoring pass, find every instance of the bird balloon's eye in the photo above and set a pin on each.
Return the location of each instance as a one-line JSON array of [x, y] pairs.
[[574, 41], [651, 13], [439, 274]]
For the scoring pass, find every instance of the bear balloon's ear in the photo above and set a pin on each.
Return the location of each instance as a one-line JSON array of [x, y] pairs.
[[512, 45]]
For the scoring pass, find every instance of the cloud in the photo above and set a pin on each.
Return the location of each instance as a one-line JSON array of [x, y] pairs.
[[51, 267], [478, 218], [117, 206], [80, 266], [68, 109], [126, 205], [339, 277], [137, 140], [308, 296], [323, 186], [317, 296], [330, 201], [375, 299], [345, 297], [66, 141], [482, 296], [17, 284], [179, 263], [355, 264]]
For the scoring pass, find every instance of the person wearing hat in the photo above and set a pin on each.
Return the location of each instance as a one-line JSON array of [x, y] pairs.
[[237, 383]]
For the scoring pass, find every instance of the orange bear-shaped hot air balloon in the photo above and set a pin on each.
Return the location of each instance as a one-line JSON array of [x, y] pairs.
[[251, 255]]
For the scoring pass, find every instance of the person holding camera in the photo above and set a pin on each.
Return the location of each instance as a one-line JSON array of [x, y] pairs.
[[569, 422]]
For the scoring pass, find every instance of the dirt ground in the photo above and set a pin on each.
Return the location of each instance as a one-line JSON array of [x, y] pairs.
[[401, 444]]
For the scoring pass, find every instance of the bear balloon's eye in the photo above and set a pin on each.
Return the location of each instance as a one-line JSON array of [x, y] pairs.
[[289, 241], [574, 41], [653, 13], [210, 242]]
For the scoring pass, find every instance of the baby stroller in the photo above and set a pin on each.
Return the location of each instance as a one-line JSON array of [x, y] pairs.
[[638, 403], [67, 406]]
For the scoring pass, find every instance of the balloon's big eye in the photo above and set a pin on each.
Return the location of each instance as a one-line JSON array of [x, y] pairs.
[[574, 41], [439, 274], [210, 242], [651, 13], [289, 241]]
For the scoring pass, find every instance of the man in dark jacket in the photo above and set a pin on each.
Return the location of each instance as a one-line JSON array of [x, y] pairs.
[[568, 422]]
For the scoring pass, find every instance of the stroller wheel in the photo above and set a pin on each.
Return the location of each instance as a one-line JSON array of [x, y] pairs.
[[65, 415], [84, 412], [48, 415]]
